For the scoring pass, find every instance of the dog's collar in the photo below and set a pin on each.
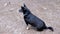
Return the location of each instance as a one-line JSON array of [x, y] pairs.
[[26, 14]]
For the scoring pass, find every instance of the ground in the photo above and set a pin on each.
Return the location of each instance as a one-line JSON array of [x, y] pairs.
[[12, 22]]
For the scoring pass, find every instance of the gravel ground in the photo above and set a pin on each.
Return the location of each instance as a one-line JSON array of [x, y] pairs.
[[11, 21]]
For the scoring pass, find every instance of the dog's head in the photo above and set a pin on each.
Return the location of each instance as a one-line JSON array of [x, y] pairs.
[[23, 8]]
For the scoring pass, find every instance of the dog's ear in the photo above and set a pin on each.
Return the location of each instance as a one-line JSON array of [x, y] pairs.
[[24, 5]]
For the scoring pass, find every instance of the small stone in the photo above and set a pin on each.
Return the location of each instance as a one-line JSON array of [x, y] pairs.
[[44, 8], [12, 8], [6, 4]]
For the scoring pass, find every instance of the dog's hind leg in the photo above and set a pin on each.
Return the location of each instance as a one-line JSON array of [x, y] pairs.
[[39, 29]]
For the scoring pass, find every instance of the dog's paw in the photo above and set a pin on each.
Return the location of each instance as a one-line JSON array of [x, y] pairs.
[[27, 28]]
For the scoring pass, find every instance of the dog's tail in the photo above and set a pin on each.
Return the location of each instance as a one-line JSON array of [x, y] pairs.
[[50, 28]]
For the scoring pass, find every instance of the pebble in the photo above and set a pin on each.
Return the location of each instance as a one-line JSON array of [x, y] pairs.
[[44, 8], [6, 4]]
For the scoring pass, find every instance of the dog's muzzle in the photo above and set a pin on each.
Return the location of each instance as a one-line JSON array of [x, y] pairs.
[[20, 10]]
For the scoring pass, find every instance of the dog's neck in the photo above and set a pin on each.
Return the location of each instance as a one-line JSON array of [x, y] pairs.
[[26, 13]]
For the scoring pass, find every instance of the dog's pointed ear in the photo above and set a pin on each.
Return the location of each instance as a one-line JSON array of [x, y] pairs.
[[24, 5]]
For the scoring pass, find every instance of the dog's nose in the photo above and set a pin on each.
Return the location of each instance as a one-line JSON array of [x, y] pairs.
[[20, 10]]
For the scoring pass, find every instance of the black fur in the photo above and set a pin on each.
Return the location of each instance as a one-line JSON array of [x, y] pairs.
[[33, 20]]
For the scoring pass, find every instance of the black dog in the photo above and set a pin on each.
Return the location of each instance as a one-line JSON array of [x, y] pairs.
[[33, 20]]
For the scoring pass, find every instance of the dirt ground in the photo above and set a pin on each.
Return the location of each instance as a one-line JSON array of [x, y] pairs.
[[12, 22]]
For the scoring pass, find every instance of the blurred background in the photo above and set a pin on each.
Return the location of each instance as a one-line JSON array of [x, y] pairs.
[[12, 22]]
